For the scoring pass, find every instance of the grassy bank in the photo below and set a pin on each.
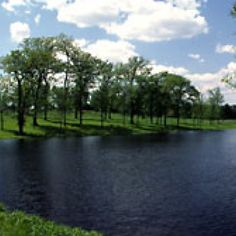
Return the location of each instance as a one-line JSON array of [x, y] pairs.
[[20, 224], [116, 126]]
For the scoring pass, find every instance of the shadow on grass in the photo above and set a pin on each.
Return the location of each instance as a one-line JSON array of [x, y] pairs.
[[73, 130], [54, 128]]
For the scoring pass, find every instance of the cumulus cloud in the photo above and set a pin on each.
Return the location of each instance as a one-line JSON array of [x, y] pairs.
[[114, 51], [171, 69], [52, 4], [11, 5], [145, 20], [227, 48], [196, 57], [160, 21], [19, 31], [37, 19]]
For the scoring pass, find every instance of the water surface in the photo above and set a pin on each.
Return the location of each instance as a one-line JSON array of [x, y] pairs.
[[174, 184]]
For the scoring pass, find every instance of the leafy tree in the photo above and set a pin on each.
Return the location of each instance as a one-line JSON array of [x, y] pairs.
[[2, 101], [135, 67], [64, 48], [102, 96], [55, 73], [180, 91], [41, 62], [198, 108], [84, 69], [15, 64], [215, 101]]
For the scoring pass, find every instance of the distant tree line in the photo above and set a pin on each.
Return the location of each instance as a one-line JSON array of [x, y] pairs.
[[53, 73]]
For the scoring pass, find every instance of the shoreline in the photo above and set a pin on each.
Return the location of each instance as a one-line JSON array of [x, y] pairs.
[[65, 136], [52, 127]]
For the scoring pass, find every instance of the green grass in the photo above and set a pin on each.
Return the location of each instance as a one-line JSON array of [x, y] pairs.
[[92, 126], [20, 224]]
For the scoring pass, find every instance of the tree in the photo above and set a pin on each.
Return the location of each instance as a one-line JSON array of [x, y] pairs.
[[215, 101], [198, 108], [41, 62], [15, 64], [102, 96], [136, 66], [153, 96], [180, 91], [56, 73], [84, 69], [4, 91], [64, 48]]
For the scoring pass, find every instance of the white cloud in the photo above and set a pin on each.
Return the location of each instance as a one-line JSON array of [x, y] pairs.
[[227, 48], [171, 69], [196, 57], [37, 19], [52, 4], [11, 5], [161, 21], [19, 31], [186, 4], [145, 20], [114, 51]]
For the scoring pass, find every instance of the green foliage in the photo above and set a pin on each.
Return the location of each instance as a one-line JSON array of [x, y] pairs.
[[55, 74], [233, 10], [19, 224], [2, 208], [215, 101]]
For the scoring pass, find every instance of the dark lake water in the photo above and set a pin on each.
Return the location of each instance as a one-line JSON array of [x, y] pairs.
[[174, 184]]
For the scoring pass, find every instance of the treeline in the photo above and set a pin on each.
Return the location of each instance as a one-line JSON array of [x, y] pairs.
[[53, 73]]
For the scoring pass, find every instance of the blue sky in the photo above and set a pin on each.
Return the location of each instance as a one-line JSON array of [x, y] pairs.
[[194, 38]]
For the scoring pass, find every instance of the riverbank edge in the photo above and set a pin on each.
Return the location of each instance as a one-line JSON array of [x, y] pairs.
[[19, 223], [170, 129]]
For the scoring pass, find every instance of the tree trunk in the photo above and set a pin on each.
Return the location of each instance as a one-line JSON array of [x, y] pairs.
[[46, 92], [36, 101], [80, 110], [138, 117], [109, 113], [151, 110], [76, 113], [178, 120], [177, 116], [151, 118], [165, 120], [65, 100], [102, 118], [46, 112], [20, 109], [2, 120], [132, 114], [124, 118], [35, 116]]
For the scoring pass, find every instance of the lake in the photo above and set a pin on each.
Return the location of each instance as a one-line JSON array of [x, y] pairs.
[[180, 184]]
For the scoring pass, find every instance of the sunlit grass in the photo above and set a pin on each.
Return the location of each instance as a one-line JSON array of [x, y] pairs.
[[92, 126]]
